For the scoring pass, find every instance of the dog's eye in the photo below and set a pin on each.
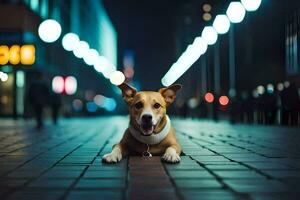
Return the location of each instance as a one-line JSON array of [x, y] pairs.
[[138, 105], [156, 105]]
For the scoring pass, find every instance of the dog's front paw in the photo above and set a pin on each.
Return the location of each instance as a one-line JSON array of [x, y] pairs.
[[113, 157], [171, 156]]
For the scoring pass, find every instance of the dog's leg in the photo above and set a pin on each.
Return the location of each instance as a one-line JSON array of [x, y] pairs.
[[171, 154], [114, 156]]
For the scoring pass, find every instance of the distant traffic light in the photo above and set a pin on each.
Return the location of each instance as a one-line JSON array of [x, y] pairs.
[[209, 97], [224, 100]]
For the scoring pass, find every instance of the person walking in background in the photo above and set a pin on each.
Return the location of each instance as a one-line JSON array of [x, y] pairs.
[[38, 97], [55, 106], [290, 105]]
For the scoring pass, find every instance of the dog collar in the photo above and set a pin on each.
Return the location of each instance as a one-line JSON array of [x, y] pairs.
[[154, 138]]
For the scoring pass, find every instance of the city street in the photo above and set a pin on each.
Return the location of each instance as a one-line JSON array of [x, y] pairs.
[[219, 161]]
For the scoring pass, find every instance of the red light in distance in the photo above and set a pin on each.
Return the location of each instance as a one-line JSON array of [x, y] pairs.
[[224, 100], [209, 97]]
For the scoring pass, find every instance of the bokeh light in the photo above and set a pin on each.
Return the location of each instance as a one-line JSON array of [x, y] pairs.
[[49, 30], [3, 76], [260, 90], [209, 97], [210, 35], [270, 88], [81, 49], [58, 84], [280, 86], [221, 24], [70, 85], [117, 78], [69, 41], [91, 57], [236, 12], [91, 107], [77, 105], [99, 100], [223, 100], [251, 5]]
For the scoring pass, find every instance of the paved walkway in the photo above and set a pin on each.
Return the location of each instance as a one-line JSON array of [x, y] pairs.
[[220, 161]]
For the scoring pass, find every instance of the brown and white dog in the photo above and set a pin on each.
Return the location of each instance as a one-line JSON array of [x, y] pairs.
[[150, 131]]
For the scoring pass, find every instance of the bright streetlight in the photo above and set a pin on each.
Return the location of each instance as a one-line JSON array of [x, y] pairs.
[[236, 12], [210, 35], [221, 24], [69, 41], [251, 5], [117, 78], [49, 30], [81, 49], [91, 57]]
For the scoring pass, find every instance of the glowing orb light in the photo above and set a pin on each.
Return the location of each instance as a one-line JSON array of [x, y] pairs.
[[81, 49], [117, 78], [58, 84], [209, 97], [210, 35], [69, 41], [91, 57], [221, 24], [49, 30], [236, 12], [224, 100], [251, 5], [70, 85]]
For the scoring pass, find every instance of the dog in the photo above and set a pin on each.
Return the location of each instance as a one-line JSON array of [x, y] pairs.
[[150, 131]]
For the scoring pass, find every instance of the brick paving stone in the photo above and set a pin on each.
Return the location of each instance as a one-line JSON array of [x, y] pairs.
[[197, 183], [51, 183], [95, 195], [90, 184], [238, 174], [105, 174], [219, 161], [190, 174], [189, 194]]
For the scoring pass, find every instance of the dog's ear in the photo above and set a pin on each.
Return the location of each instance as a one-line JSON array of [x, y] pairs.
[[128, 92], [169, 93]]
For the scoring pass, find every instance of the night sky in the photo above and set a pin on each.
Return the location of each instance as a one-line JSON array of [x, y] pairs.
[[148, 28]]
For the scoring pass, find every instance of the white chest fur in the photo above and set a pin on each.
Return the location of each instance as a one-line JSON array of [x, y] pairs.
[[154, 138]]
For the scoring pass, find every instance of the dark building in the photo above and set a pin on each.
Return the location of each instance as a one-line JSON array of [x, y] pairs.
[[19, 24], [266, 46]]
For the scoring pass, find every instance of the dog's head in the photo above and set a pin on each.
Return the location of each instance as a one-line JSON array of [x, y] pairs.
[[148, 108]]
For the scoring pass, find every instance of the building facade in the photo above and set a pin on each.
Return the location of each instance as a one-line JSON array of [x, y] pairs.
[[19, 24]]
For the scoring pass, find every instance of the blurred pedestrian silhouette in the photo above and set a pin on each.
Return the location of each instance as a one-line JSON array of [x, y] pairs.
[[38, 96], [55, 104], [290, 105], [270, 107]]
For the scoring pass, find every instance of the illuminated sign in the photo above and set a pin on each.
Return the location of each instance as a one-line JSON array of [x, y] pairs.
[[16, 54]]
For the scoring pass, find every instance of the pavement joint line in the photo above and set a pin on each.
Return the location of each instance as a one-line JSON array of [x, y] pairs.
[[39, 154], [177, 191], [10, 192], [125, 195], [32, 144], [34, 157], [64, 196], [241, 163], [220, 180]]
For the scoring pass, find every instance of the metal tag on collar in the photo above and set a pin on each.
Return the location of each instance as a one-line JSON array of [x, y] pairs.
[[147, 152]]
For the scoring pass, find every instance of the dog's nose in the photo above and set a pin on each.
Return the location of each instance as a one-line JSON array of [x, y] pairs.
[[147, 118]]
